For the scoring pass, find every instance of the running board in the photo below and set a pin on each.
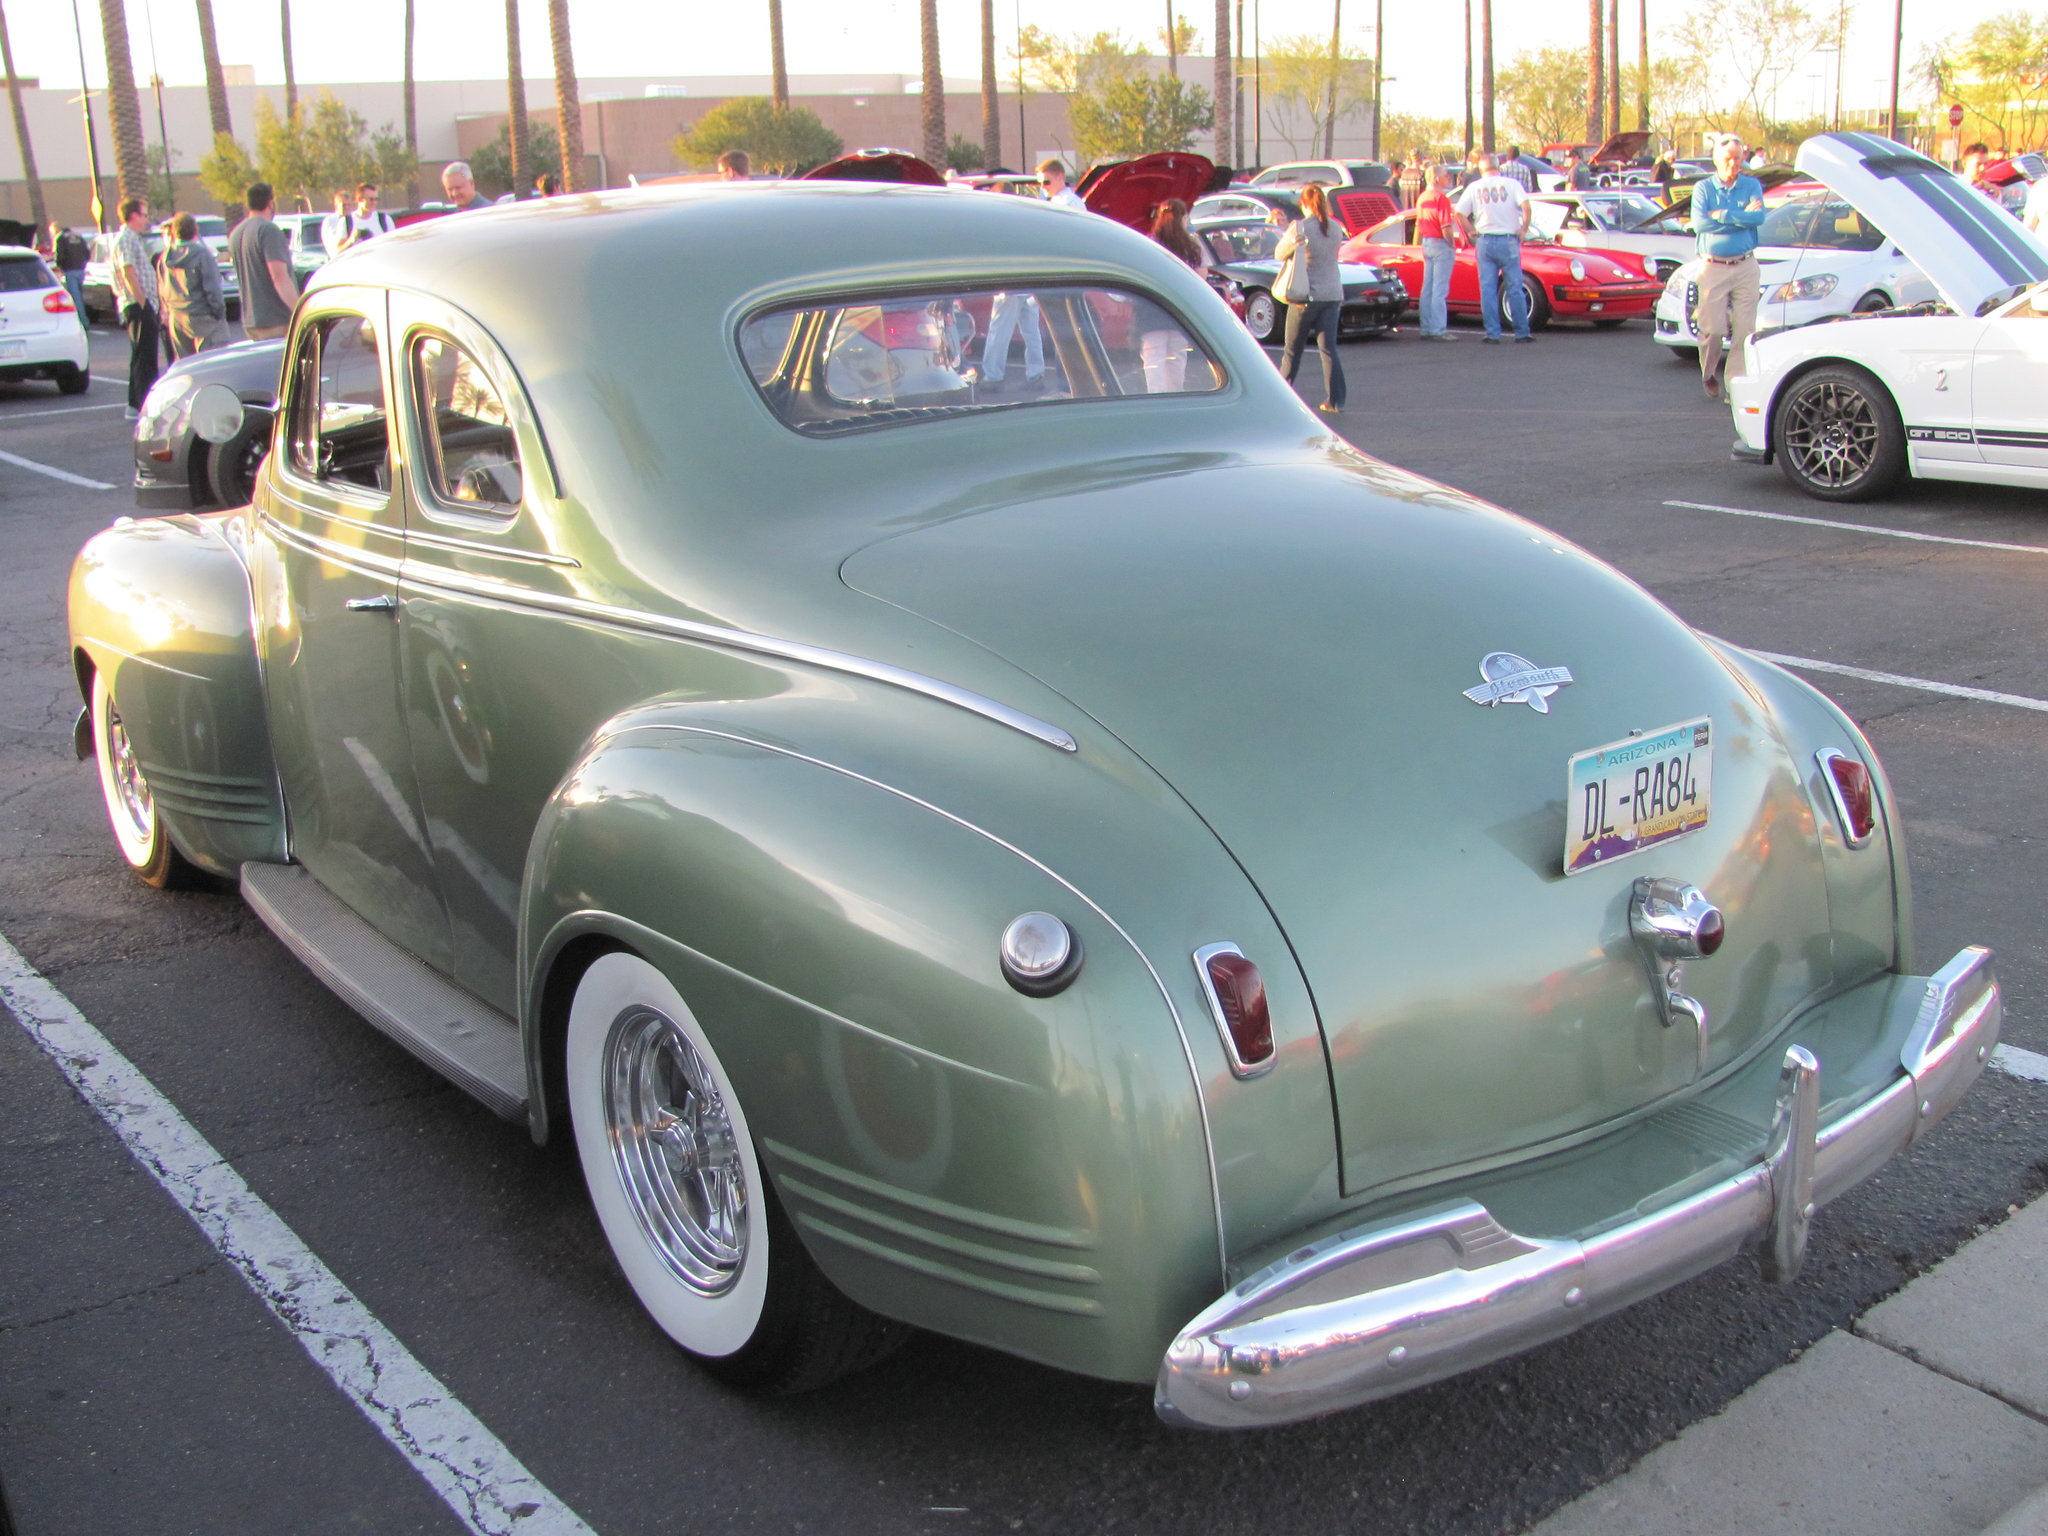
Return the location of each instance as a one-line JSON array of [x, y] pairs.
[[467, 1041]]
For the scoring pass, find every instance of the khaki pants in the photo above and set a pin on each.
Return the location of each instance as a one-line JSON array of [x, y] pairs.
[[1728, 293], [264, 332], [188, 334]]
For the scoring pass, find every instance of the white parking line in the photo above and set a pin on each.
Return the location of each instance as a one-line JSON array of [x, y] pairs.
[[113, 378], [1890, 533], [475, 1475], [54, 473], [62, 410], [2031, 1065], [1955, 690]]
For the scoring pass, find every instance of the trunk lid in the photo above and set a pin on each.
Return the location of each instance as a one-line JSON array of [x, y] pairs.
[[1973, 251], [1290, 647], [1128, 190]]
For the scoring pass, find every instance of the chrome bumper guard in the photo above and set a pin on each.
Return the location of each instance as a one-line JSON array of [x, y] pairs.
[[1379, 1310]]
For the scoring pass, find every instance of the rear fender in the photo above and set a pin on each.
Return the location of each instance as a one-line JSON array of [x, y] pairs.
[[161, 607], [1031, 1173]]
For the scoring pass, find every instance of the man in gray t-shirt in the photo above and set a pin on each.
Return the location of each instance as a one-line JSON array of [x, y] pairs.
[[263, 267]]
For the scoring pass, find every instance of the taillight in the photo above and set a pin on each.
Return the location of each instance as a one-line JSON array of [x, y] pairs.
[[58, 302], [1849, 787], [1237, 998]]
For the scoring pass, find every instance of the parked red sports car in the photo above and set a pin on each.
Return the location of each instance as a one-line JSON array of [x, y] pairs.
[[1562, 282]]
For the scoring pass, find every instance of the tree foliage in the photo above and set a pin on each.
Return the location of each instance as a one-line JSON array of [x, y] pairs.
[[1726, 59], [1047, 62], [491, 163], [1544, 93], [1402, 133], [965, 154], [317, 151], [785, 142], [1138, 115], [1998, 70], [1305, 85]]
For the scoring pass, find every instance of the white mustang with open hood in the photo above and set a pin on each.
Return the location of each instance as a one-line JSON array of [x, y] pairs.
[[1950, 391]]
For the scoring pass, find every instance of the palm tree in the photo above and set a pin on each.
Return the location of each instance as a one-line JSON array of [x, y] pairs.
[[412, 138], [1643, 68], [1224, 75], [1468, 78], [1613, 67], [291, 84], [568, 109], [1336, 68], [934, 114], [36, 210], [991, 122], [122, 108], [515, 90], [1596, 74], [780, 65], [216, 81], [1486, 74]]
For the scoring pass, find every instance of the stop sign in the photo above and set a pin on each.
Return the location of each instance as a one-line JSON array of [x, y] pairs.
[[1955, 115]]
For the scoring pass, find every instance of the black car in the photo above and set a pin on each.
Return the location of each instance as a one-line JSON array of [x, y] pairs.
[[1242, 249]]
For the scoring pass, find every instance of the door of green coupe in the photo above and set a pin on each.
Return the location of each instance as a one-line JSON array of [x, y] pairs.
[[327, 579]]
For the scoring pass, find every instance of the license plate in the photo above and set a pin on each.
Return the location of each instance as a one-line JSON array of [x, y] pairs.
[[1636, 793], [13, 348]]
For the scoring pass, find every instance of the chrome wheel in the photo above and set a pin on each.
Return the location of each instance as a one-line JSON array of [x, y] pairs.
[[128, 797], [1262, 315], [677, 1157], [1831, 434]]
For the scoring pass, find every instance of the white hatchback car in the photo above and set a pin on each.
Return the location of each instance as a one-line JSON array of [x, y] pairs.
[[1819, 257], [40, 333], [1952, 390], [1615, 219]]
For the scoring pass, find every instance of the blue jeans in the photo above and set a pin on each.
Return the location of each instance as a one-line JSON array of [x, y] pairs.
[[1011, 309], [74, 284], [1500, 258], [1317, 319], [1437, 258]]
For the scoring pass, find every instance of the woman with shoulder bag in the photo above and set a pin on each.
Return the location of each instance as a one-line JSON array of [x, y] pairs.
[[1314, 291]]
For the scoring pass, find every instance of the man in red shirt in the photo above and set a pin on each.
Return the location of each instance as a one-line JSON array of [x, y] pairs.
[[1435, 220]]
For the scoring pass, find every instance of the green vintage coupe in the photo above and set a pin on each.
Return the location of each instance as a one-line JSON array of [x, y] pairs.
[[1092, 865]]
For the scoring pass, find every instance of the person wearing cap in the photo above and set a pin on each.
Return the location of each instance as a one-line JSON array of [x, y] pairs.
[[1727, 212]]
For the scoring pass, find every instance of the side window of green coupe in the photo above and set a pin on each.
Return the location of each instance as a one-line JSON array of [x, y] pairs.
[[340, 432], [471, 452], [899, 358]]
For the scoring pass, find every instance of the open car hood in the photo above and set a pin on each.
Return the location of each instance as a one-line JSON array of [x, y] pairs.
[[1624, 147], [1974, 252], [877, 165], [1128, 190]]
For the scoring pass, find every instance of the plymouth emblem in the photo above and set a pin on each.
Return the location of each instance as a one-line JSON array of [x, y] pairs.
[[1512, 679]]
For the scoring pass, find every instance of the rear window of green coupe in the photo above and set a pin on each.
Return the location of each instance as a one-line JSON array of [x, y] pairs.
[[899, 358]]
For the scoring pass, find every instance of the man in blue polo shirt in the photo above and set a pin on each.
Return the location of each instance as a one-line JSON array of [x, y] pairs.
[[1727, 211]]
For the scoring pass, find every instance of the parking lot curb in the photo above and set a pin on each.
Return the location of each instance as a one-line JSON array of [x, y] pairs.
[[1929, 1415]]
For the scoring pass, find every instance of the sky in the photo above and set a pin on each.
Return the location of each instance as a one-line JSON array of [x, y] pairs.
[[362, 39]]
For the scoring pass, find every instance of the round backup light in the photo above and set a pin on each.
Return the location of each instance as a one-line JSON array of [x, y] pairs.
[[1711, 929], [1854, 797], [1040, 954]]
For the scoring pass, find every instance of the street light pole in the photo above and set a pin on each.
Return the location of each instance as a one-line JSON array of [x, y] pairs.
[[1379, 16], [1898, 36], [92, 143]]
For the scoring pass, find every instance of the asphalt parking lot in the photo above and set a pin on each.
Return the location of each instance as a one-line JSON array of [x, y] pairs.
[[143, 1386]]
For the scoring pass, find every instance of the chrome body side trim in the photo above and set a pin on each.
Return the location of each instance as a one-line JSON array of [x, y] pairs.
[[1368, 1313], [435, 578]]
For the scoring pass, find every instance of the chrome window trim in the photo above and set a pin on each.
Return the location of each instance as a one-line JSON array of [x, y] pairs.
[[1827, 757], [1239, 1067], [327, 304]]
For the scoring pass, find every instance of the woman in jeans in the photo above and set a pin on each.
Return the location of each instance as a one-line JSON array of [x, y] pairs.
[[1318, 237]]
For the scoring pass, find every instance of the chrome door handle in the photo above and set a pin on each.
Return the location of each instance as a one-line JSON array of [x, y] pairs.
[[371, 605]]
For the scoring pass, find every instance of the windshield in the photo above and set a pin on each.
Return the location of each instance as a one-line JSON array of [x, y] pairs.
[[1624, 210], [1820, 224], [1243, 242], [211, 226]]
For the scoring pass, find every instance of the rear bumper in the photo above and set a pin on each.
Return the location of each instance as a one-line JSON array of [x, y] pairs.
[[1378, 1310]]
